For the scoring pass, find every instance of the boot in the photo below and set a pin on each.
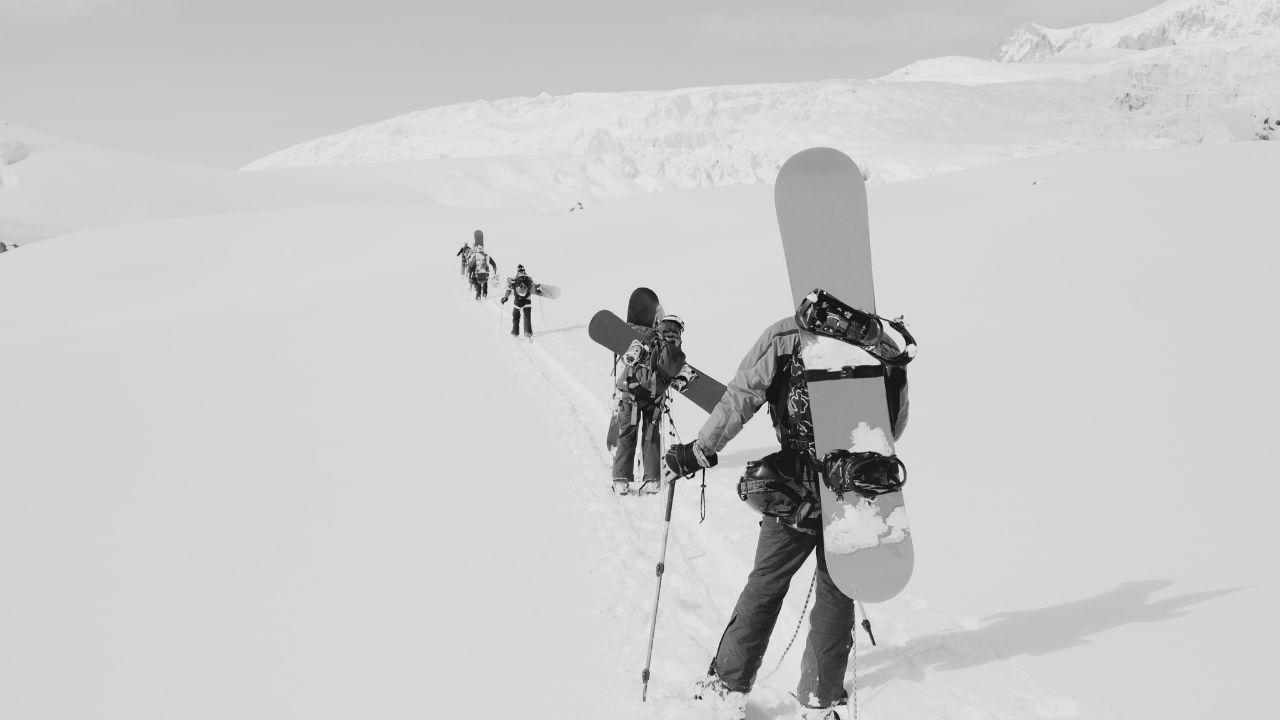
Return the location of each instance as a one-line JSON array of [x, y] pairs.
[[622, 487], [649, 487], [826, 713], [725, 704]]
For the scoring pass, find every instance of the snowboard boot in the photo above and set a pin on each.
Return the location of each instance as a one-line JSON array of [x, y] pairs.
[[826, 713], [649, 487], [724, 704], [622, 487]]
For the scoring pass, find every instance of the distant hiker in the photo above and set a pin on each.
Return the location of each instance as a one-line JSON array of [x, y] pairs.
[[522, 287], [772, 373], [464, 256], [478, 266], [643, 375]]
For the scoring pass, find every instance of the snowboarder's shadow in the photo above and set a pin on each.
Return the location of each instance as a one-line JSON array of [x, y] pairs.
[[570, 328], [1027, 632]]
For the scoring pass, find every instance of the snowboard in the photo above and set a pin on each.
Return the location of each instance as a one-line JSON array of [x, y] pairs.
[[550, 292], [821, 202], [614, 333]]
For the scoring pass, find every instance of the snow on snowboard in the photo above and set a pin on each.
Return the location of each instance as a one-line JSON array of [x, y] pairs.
[[821, 203]]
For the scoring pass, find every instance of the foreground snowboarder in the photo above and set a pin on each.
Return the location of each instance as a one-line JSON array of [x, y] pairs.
[[643, 376], [777, 486]]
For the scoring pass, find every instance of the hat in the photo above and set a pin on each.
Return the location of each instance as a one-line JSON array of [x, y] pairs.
[[673, 319]]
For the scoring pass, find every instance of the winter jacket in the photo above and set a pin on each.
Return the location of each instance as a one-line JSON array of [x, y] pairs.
[[483, 267], [511, 289], [760, 377]]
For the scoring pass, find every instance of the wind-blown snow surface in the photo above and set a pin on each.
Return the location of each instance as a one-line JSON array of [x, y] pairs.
[[277, 464]]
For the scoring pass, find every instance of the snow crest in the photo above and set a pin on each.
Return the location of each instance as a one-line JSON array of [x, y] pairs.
[[1174, 22]]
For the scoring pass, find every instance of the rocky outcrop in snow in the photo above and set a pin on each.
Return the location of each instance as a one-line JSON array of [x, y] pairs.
[[1174, 22]]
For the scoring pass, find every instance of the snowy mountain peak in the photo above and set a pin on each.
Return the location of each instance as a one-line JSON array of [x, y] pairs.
[[1173, 22]]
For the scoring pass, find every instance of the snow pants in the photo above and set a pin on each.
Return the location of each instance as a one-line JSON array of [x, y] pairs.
[[779, 554], [639, 430], [516, 311], [481, 285]]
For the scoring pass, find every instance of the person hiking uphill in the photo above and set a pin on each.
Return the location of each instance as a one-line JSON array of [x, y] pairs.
[[772, 373], [643, 376], [464, 257], [478, 267], [523, 288]]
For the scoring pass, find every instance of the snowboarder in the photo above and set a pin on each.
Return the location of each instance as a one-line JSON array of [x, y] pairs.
[[643, 376], [772, 373], [643, 310], [522, 287], [478, 266], [464, 256]]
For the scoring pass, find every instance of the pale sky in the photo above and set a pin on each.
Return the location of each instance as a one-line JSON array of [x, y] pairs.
[[223, 82]]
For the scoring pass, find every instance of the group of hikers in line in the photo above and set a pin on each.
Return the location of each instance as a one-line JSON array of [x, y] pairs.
[[476, 265], [770, 374]]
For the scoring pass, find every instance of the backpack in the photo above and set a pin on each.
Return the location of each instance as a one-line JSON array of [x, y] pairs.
[[479, 262], [789, 390], [522, 286]]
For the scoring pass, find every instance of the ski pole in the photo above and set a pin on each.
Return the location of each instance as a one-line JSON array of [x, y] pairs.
[[653, 625]]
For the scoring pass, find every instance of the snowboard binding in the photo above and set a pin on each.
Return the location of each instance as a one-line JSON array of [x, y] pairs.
[[868, 474], [822, 313]]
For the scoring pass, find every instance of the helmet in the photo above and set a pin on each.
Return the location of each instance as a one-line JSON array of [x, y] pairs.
[[774, 486], [519, 269], [674, 319]]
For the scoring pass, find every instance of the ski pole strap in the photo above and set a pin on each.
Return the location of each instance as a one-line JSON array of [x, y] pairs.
[[844, 373]]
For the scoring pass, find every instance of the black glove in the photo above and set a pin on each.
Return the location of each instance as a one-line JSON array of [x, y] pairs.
[[685, 460], [503, 301]]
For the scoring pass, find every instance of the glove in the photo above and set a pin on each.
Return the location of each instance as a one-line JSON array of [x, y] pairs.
[[503, 301], [685, 460], [643, 397]]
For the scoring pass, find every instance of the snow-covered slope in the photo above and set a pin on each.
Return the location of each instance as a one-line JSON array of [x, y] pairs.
[[50, 186], [932, 117], [1173, 22], [280, 461]]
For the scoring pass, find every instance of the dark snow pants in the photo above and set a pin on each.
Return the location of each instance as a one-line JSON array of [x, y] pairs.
[[780, 553], [481, 285], [643, 431], [517, 310]]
